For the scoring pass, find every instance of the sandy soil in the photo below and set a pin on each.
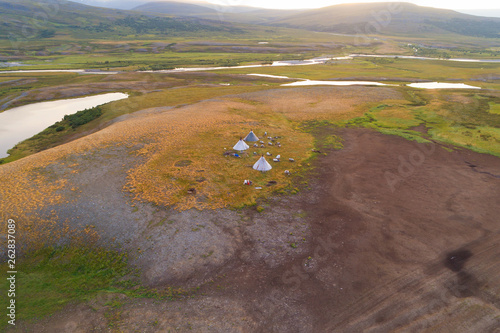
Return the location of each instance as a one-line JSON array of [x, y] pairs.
[[390, 236]]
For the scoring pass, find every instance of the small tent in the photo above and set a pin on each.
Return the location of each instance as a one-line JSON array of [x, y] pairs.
[[251, 137], [241, 145], [262, 165]]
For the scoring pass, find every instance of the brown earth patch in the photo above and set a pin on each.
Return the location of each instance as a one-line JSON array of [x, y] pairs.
[[378, 238]]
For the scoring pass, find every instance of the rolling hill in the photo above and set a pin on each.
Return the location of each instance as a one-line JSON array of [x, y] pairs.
[[176, 8], [363, 18], [116, 4], [29, 19], [129, 4], [240, 14], [391, 19], [45, 19]]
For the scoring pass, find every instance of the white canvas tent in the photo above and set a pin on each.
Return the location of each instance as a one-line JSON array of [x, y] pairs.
[[251, 137], [262, 165], [241, 145]]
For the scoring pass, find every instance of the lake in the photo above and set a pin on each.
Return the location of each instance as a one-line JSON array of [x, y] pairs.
[[21, 123], [441, 85], [333, 83], [422, 85]]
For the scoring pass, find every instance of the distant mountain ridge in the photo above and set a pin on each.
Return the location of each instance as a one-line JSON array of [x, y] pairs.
[[176, 17], [239, 14], [389, 18], [176, 8], [396, 18], [27, 19], [115, 4]]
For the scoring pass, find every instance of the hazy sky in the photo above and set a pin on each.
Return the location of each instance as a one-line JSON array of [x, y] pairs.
[[289, 4]]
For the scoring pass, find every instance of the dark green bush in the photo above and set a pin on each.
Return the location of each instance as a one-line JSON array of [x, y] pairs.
[[82, 117]]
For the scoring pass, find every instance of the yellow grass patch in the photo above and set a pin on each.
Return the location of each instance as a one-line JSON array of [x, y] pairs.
[[483, 139], [396, 111], [494, 108], [184, 132], [195, 157], [183, 148], [395, 116], [23, 195], [322, 103]]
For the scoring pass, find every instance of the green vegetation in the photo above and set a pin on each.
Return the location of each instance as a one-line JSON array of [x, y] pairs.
[[494, 108], [391, 120], [53, 135], [430, 52], [406, 19], [61, 132], [53, 277], [397, 119], [151, 54], [322, 132], [466, 122], [77, 36], [82, 117], [184, 161], [469, 27], [158, 25], [82, 21], [393, 71]]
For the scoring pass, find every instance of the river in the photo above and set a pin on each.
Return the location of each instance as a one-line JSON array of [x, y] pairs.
[[313, 61], [20, 123]]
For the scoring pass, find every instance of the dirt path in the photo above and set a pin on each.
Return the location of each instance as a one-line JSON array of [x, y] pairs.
[[391, 236]]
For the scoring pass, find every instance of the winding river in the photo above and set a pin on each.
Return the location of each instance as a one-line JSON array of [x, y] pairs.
[[313, 61]]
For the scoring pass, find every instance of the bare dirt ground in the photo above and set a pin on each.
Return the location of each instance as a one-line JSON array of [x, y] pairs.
[[390, 236]]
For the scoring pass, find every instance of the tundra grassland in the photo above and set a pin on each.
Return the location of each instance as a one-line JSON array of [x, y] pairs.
[[198, 132], [179, 139], [395, 71], [145, 91], [173, 140], [166, 53], [461, 119]]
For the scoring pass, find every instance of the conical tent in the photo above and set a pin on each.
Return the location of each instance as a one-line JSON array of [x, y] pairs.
[[251, 137], [241, 145], [262, 165]]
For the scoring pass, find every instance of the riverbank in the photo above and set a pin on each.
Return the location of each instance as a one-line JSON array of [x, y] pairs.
[[280, 63], [21, 123]]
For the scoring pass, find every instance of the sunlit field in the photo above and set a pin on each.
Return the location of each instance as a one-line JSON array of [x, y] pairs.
[[380, 211]]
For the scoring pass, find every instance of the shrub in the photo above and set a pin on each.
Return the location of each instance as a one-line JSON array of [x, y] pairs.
[[82, 117]]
